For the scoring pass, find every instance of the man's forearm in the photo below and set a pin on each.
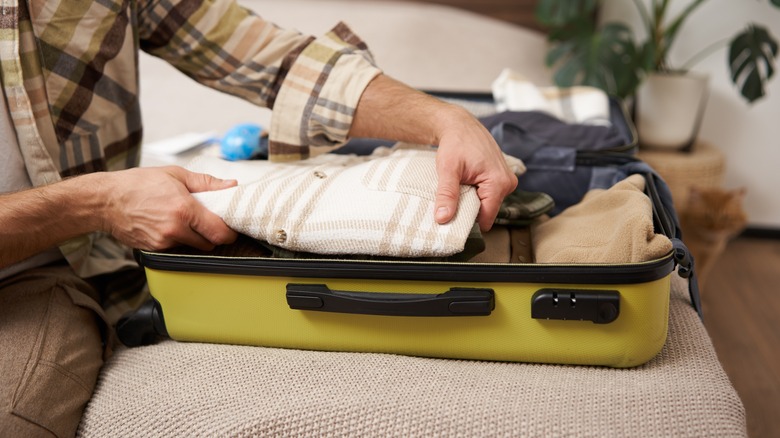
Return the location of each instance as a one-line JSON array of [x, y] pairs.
[[392, 110], [37, 219]]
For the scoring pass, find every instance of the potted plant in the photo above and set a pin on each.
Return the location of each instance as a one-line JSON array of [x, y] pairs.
[[606, 55]]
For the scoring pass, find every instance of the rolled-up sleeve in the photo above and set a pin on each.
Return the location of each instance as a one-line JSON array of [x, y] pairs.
[[312, 84], [317, 100]]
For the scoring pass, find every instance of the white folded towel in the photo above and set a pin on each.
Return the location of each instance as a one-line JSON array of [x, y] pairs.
[[578, 104], [381, 204]]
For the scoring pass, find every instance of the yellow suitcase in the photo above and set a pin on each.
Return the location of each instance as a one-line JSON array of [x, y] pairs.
[[611, 315], [546, 314]]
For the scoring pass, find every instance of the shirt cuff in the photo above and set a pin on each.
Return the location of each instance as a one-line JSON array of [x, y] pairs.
[[316, 103]]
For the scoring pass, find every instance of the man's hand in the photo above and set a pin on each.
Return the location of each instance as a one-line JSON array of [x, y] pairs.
[[467, 154], [152, 209]]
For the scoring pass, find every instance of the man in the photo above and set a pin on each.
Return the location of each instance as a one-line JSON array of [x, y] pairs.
[[73, 204]]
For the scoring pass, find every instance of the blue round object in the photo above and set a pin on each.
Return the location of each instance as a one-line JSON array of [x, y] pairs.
[[242, 142]]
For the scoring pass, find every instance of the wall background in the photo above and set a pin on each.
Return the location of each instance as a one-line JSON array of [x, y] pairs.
[[749, 135]]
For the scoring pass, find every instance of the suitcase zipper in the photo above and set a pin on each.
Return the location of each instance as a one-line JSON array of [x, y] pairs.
[[407, 270]]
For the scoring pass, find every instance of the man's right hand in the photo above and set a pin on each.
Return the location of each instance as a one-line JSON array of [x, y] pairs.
[[144, 208], [152, 208]]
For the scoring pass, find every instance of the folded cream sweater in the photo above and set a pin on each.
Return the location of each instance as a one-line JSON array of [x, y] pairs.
[[381, 204]]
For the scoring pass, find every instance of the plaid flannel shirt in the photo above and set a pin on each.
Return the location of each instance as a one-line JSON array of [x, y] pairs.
[[70, 75]]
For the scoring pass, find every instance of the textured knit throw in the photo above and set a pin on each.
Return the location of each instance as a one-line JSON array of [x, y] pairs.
[[381, 204]]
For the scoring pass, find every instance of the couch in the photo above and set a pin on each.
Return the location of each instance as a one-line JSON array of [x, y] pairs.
[[191, 389]]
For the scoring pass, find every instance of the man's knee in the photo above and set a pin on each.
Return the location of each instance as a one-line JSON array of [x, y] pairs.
[[52, 355]]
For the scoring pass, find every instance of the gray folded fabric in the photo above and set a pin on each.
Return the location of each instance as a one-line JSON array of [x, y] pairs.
[[520, 207]]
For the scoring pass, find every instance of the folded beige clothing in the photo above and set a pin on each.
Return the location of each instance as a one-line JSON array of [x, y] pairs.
[[381, 204], [607, 226]]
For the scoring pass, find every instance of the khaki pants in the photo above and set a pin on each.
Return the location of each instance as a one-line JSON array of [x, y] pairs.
[[52, 338]]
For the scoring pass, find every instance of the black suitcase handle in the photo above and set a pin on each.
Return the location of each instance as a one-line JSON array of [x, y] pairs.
[[455, 302]]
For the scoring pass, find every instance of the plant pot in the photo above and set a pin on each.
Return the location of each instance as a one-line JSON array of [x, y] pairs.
[[669, 109]]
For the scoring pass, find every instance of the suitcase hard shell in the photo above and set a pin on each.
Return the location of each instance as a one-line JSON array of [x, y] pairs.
[[252, 301], [601, 314]]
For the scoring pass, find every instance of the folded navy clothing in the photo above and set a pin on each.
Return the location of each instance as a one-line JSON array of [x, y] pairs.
[[522, 133], [549, 148]]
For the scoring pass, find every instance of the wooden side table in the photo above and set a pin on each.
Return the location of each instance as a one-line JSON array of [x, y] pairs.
[[703, 166]]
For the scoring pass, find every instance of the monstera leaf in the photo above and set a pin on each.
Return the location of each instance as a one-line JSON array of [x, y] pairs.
[[748, 50], [606, 58], [588, 52]]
